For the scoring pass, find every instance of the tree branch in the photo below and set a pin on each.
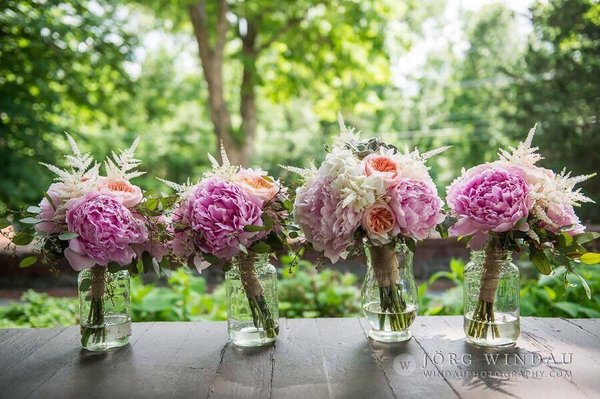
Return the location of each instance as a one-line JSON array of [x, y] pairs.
[[199, 22], [287, 26], [221, 28]]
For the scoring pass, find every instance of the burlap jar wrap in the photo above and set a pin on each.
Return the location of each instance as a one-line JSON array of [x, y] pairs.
[[98, 284], [492, 262], [248, 275], [385, 264]]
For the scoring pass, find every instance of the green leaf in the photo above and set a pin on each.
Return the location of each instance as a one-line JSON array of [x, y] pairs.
[[4, 223], [152, 203], [146, 261], [293, 234], [572, 309], [565, 238], [260, 248], [586, 237], [586, 287], [442, 230], [67, 236], [540, 261], [254, 228], [590, 258], [411, 244], [85, 284], [114, 267], [34, 209], [30, 220], [210, 258], [28, 261], [22, 238]]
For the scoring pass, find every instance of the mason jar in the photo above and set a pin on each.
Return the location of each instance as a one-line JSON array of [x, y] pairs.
[[104, 308], [389, 296], [252, 304], [491, 298]]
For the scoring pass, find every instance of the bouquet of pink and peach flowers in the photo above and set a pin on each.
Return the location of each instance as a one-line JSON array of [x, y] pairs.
[[98, 222], [369, 196], [511, 204], [232, 213]]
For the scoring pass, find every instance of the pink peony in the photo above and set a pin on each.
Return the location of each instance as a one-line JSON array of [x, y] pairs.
[[327, 225], [50, 218], [256, 185], [488, 197], [106, 231], [417, 207], [130, 195], [384, 167], [216, 213], [564, 217], [378, 220]]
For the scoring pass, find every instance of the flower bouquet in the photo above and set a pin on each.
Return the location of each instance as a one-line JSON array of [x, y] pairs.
[[101, 225], [233, 217], [501, 207], [367, 197]]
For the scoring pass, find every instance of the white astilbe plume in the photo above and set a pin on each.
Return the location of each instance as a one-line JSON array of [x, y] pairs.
[[347, 133], [79, 176], [225, 170], [564, 191], [524, 154], [305, 173], [182, 190], [123, 164]]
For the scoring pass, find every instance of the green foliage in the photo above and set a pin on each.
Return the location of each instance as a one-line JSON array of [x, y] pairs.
[[40, 310], [545, 296], [61, 66], [307, 292], [184, 299]]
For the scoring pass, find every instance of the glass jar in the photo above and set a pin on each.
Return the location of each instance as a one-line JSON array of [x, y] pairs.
[[252, 304], [491, 298], [104, 308], [389, 293]]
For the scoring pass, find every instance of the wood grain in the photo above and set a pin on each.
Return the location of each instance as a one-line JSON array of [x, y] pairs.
[[313, 358]]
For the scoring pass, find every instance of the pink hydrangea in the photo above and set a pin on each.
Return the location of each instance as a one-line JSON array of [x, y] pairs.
[[106, 230], [214, 216], [564, 218], [327, 225], [487, 198], [417, 207]]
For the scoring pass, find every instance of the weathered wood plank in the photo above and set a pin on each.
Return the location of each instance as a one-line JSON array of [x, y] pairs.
[[350, 367], [471, 370], [244, 372], [299, 370], [404, 366], [592, 326], [8, 333], [84, 370], [575, 353], [169, 359], [43, 360], [18, 347]]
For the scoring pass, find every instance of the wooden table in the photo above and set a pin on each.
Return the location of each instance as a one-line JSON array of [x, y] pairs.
[[313, 358]]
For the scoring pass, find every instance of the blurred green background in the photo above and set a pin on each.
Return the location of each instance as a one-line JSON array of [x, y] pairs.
[[268, 78]]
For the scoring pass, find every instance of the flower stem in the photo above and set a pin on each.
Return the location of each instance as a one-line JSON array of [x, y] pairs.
[[391, 302], [94, 329], [483, 317], [261, 314]]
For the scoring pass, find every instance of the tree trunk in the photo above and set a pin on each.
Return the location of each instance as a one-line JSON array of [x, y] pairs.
[[247, 91], [211, 57]]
